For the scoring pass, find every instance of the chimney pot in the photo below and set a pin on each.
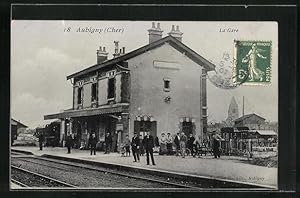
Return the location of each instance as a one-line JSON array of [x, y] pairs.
[[155, 33], [158, 25], [176, 33], [173, 28], [101, 55], [153, 25]]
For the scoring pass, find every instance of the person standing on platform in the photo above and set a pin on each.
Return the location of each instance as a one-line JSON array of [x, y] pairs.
[[163, 144], [142, 150], [69, 142], [149, 145], [41, 141], [92, 143], [177, 143], [127, 145], [135, 145], [169, 144], [182, 142], [108, 142], [216, 145], [190, 143]]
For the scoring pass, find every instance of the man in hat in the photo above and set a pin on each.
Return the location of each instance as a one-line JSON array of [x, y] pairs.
[[69, 142], [182, 143], [149, 145], [92, 143], [216, 144], [169, 143], [135, 146], [41, 140]]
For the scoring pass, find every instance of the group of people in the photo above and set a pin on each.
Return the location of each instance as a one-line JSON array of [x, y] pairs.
[[139, 145], [92, 143], [184, 143]]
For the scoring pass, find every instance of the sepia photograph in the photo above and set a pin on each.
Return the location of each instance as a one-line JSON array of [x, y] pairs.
[[135, 105]]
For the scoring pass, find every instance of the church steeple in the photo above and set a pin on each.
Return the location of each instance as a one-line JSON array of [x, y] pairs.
[[233, 112]]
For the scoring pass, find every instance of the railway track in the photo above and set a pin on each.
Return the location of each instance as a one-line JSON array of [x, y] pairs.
[[89, 175], [18, 183], [26, 178], [55, 164]]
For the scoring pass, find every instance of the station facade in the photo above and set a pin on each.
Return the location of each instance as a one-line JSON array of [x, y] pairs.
[[160, 88]]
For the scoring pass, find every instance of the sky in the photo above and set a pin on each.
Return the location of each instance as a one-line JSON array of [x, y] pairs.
[[43, 53]]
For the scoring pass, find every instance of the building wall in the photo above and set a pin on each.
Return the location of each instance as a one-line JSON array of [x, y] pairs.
[[147, 88], [102, 92], [252, 122]]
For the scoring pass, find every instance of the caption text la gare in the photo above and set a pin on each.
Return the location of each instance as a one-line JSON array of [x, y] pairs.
[[230, 30]]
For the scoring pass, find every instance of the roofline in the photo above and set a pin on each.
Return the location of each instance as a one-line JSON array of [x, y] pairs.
[[208, 65], [251, 114], [19, 123]]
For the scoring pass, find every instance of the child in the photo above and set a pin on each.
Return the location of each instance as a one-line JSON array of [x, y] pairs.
[[126, 144], [122, 150]]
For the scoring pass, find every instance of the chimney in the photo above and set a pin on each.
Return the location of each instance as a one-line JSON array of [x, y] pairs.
[[155, 33], [176, 33], [101, 55], [117, 52]]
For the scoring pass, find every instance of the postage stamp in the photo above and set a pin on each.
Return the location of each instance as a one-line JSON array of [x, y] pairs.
[[252, 60]]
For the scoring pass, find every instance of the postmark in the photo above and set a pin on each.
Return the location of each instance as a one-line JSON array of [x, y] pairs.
[[252, 60], [223, 75]]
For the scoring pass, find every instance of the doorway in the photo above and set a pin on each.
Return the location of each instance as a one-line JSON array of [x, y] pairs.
[[187, 128]]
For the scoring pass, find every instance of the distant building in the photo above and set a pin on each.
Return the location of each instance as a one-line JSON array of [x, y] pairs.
[[252, 121], [233, 112], [159, 87], [16, 128]]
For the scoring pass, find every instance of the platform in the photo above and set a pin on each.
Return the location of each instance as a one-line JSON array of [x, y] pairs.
[[226, 167]]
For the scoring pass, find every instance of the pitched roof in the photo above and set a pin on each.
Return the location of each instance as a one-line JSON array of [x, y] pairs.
[[169, 39], [247, 116], [266, 132], [15, 122]]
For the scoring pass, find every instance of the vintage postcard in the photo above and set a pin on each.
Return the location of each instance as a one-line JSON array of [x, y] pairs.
[[135, 105]]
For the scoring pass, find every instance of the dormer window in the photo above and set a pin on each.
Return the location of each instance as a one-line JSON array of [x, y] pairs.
[[166, 84]]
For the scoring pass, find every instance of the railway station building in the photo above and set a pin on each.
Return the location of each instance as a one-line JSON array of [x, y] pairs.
[[159, 87]]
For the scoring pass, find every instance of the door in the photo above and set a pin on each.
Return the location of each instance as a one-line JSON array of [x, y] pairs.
[[187, 128], [141, 127]]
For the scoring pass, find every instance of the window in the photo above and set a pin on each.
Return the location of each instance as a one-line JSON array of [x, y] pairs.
[[79, 95], [166, 84], [94, 92], [111, 88]]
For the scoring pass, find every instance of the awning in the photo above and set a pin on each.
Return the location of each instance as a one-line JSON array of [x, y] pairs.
[[107, 109]]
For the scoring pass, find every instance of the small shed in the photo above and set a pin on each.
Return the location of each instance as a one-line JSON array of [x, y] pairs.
[[16, 127]]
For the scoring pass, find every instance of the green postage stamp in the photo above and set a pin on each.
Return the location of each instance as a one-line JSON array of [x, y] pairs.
[[252, 62]]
